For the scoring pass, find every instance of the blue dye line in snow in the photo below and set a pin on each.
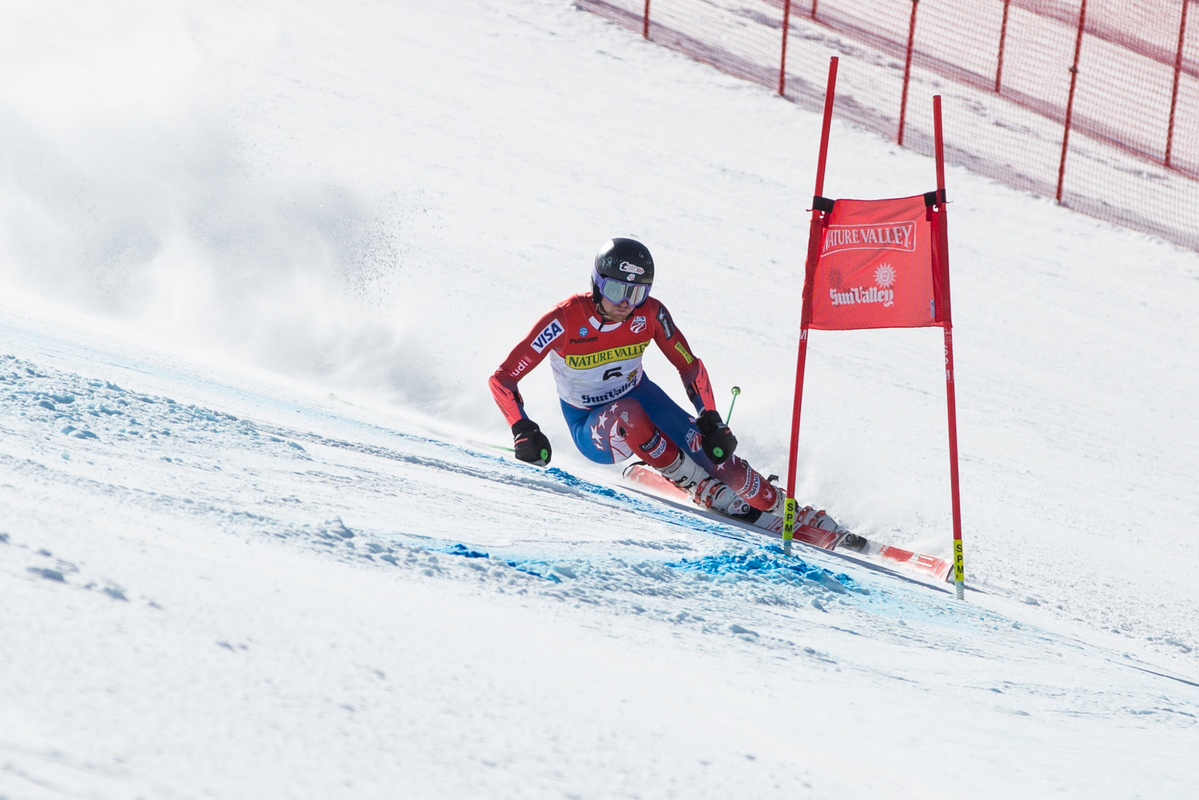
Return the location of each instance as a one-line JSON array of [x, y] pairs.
[[770, 563], [520, 566], [656, 510], [563, 478], [464, 551], [582, 485]]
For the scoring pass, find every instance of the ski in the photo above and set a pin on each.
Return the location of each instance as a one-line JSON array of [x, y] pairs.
[[649, 478]]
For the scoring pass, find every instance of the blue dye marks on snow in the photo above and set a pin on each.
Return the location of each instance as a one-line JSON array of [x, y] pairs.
[[578, 483], [520, 566], [657, 510], [464, 551], [771, 564], [523, 566]]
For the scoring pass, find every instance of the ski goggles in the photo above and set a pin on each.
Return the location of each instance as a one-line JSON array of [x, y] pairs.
[[619, 292]]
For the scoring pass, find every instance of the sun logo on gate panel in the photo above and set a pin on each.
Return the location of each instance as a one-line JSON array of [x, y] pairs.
[[884, 276]]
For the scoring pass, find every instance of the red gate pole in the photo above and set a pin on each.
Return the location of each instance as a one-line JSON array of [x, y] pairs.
[[1061, 170], [645, 21], [1182, 30], [783, 58], [815, 237], [942, 245], [1002, 42], [959, 568], [907, 72]]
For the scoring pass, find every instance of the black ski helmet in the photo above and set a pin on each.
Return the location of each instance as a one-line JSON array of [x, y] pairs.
[[624, 260]]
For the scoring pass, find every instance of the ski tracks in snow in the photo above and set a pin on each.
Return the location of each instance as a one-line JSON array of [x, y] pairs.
[[81, 446], [82, 451]]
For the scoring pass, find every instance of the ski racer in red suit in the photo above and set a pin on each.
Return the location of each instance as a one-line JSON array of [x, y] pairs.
[[595, 342]]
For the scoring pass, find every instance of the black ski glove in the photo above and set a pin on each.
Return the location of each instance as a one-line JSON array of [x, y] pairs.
[[531, 444], [719, 441]]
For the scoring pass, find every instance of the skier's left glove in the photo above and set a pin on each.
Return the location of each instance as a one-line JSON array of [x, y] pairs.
[[531, 444], [719, 442]]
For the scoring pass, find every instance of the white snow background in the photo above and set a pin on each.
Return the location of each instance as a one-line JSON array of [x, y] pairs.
[[257, 261]]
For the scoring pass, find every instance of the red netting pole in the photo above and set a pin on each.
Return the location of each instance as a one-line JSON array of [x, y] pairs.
[[1002, 42], [783, 57], [645, 21], [1061, 170], [1182, 32], [815, 232], [907, 73], [814, 2], [942, 245]]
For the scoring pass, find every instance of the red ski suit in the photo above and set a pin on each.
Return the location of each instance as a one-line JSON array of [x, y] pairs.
[[595, 363], [613, 410]]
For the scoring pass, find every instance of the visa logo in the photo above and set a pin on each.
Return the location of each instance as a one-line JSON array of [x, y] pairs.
[[551, 332]]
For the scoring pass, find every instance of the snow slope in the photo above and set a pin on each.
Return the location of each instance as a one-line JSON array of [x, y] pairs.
[[252, 589], [190, 614]]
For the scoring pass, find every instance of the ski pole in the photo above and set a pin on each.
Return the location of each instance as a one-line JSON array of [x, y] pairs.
[[736, 391]]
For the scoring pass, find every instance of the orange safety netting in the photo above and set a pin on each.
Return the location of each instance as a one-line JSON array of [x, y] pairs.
[[1004, 69]]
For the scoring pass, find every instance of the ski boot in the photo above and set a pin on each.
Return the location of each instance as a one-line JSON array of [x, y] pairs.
[[707, 491]]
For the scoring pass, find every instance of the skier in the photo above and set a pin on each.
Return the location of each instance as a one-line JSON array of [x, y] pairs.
[[595, 342]]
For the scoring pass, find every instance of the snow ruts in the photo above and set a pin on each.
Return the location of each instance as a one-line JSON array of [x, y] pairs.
[[839, 542]]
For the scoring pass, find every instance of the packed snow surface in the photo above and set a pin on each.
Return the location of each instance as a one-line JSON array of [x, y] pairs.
[[258, 534]]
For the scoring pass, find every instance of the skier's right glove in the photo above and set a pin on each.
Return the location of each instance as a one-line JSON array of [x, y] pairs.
[[719, 442], [531, 444]]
